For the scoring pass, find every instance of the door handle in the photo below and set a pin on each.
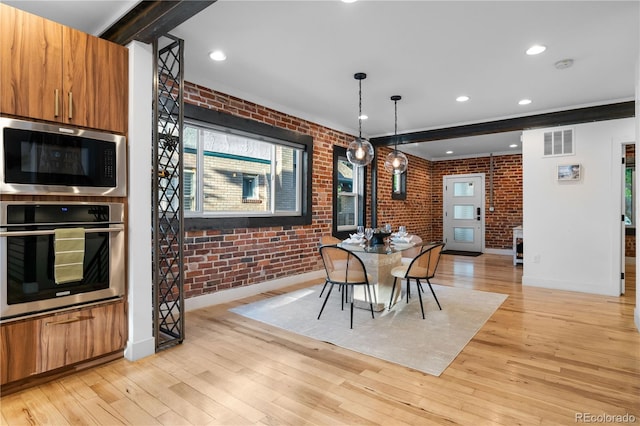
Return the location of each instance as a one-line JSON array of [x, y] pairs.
[[70, 106], [478, 213]]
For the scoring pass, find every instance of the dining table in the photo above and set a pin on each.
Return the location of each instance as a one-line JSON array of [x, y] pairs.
[[379, 260]]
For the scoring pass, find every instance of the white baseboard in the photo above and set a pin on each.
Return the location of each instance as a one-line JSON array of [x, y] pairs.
[[578, 286], [137, 350], [504, 252], [232, 294]]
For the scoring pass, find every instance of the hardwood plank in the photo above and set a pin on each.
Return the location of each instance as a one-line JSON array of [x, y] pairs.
[[68, 406], [133, 413]]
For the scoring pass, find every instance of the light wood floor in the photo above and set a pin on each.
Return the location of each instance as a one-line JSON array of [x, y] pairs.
[[544, 358]]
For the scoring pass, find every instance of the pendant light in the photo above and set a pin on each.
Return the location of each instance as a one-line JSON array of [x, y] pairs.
[[396, 162], [360, 151]]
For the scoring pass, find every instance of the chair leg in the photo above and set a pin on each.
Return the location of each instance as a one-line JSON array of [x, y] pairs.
[[434, 294], [420, 296], [393, 290], [344, 297], [408, 289], [351, 326], [325, 300], [323, 287]]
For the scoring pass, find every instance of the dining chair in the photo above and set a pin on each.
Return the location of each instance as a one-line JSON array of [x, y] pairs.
[[330, 240], [422, 267], [346, 274]]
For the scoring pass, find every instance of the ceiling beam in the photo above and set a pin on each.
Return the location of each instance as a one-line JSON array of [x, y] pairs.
[[551, 119], [149, 20]]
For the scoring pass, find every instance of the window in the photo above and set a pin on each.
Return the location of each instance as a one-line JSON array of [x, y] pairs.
[[250, 185], [399, 186], [348, 189], [240, 173]]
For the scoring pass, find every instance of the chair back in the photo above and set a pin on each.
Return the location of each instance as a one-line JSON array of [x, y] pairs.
[[342, 266], [339, 260], [424, 265], [412, 252]]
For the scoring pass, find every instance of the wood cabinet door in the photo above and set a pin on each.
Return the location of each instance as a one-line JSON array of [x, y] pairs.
[[73, 337], [18, 350], [30, 65], [95, 82]]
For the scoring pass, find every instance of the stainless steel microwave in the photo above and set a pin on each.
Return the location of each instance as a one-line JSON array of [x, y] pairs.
[[49, 159]]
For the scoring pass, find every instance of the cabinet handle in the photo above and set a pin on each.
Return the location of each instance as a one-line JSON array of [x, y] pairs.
[[70, 105], [56, 110], [69, 320]]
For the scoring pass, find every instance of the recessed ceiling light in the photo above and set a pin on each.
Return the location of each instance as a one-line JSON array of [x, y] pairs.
[[349, 1], [524, 102], [536, 49], [363, 117], [513, 145], [462, 98], [217, 55], [449, 152]]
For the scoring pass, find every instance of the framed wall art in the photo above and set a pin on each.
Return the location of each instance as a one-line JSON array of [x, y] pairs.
[[569, 172]]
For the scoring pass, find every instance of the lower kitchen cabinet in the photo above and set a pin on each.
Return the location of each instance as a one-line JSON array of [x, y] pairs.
[[19, 348], [40, 345]]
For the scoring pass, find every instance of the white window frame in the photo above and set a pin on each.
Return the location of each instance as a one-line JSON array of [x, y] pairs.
[[357, 197]]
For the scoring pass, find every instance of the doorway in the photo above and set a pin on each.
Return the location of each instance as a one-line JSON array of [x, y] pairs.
[[463, 212], [630, 218]]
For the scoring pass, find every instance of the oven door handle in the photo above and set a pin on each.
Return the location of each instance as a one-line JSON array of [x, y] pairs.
[[52, 231]]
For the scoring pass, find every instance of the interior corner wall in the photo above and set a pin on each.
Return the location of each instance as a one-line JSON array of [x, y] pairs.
[[572, 232], [140, 342]]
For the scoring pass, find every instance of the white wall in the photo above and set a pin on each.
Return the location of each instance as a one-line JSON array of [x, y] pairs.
[[141, 342], [572, 234]]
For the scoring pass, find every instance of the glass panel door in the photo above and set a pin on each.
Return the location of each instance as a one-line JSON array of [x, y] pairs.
[[463, 207]]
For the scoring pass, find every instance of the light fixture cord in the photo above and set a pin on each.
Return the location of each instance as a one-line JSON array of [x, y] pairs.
[[395, 131], [360, 109]]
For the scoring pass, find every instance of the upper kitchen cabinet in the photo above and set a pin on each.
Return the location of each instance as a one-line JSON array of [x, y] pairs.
[[55, 73]]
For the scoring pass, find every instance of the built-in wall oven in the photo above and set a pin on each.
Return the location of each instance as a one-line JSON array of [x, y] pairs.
[[28, 255], [49, 159]]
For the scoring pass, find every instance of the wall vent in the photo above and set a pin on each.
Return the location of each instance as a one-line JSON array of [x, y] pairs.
[[558, 142]]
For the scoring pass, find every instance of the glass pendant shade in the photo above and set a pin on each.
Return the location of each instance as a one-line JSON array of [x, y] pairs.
[[396, 162], [360, 152]]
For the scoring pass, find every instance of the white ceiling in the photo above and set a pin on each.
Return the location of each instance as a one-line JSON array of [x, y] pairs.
[[299, 57]]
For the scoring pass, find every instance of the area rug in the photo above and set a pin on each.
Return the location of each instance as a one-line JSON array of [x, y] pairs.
[[400, 335], [463, 253]]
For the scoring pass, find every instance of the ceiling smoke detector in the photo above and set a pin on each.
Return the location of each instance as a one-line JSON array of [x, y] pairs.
[[565, 63]]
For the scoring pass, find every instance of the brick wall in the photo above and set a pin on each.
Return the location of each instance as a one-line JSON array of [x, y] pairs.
[[222, 259], [416, 210], [507, 195]]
